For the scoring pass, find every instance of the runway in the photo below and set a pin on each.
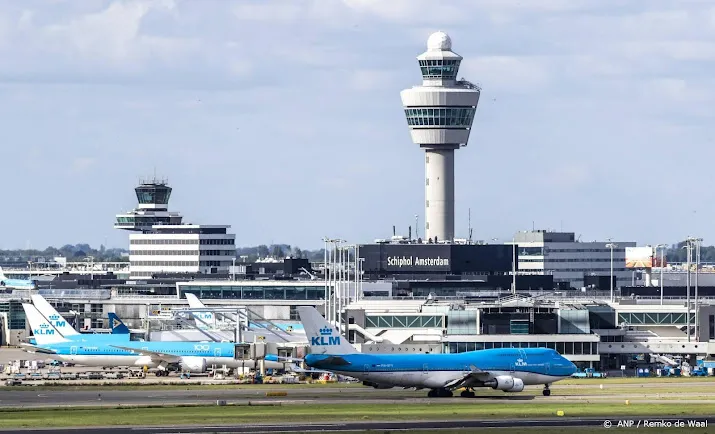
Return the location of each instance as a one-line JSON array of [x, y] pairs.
[[296, 395], [361, 426]]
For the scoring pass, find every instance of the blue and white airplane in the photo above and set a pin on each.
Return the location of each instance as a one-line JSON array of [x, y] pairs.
[[120, 332], [165, 356], [5, 282], [507, 369]]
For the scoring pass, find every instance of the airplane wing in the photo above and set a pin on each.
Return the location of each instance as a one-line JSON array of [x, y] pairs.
[[35, 349], [476, 375], [158, 356], [298, 369]]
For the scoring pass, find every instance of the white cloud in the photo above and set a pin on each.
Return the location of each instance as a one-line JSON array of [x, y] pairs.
[[372, 79], [81, 164], [507, 73]]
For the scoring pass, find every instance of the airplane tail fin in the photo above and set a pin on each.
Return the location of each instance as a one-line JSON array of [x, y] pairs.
[[56, 320], [204, 320], [2, 275], [322, 337], [42, 330], [116, 324]]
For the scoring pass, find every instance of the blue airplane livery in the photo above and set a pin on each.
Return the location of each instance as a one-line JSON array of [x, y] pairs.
[[194, 357], [8, 283], [506, 369]]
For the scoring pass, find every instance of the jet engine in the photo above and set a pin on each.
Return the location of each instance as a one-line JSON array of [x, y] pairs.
[[193, 364], [517, 387], [506, 383], [377, 386]]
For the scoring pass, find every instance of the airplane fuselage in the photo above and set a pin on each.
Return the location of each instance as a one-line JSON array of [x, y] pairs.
[[435, 371], [197, 355]]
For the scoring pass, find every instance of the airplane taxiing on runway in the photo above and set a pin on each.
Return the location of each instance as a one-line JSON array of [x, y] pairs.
[[507, 369]]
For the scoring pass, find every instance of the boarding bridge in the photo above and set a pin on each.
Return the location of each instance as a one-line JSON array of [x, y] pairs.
[[671, 347]]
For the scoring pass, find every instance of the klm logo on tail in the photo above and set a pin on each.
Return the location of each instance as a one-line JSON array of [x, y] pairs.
[[55, 319], [43, 330], [325, 338]]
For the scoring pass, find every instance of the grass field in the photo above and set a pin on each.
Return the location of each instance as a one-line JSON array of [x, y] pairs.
[[186, 415]]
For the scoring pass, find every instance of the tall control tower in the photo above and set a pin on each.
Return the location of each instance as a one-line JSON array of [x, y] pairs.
[[440, 114]]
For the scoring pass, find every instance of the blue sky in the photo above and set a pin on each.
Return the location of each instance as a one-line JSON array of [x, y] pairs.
[[283, 118]]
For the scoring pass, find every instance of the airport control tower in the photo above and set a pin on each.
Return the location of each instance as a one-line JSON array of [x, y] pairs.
[[440, 114], [153, 197]]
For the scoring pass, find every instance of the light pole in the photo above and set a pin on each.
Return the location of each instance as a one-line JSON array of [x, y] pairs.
[[662, 261], [417, 227], [611, 246], [697, 242], [688, 250], [233, 270], [513, 266]]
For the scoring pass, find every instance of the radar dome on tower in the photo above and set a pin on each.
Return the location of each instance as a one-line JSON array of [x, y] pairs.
[[439, 41]]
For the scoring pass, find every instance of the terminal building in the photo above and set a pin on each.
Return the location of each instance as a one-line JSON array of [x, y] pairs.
[[571, 261]]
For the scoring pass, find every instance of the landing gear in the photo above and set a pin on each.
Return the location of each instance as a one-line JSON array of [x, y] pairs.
[[161, 373], [547, 391], [439, 393], [467, 394]]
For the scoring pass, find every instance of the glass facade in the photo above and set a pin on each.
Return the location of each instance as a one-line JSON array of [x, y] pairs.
[[248, 292], [564, 348], [16, 314], [439, 69], [574, 321], [440, 116], [148, 194], [462, 322], [404, 321]]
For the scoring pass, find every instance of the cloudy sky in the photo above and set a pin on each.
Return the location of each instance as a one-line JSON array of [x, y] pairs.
[[283, 118]]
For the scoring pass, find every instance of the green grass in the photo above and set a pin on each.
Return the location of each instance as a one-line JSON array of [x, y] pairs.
[[187, 415]]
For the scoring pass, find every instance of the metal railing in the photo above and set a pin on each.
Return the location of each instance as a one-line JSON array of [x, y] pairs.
[[90, 294]]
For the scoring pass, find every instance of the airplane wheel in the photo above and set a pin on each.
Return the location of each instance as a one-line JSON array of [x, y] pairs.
[[467, 394], [432, 394], [547, 392], [444, 393]]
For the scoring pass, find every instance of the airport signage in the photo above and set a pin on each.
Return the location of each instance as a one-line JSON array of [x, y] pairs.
[[416, 261]]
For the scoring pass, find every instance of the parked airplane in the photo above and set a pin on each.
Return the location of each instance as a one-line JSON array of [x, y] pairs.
[[16, 283], [120, 332], [166, 356], [507, 369]]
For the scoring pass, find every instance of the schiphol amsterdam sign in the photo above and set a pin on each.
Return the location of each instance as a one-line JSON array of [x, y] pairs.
[[416, 261]]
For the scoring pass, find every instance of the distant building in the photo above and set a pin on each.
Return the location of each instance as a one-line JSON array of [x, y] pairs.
[[570, 260], [163, 243]]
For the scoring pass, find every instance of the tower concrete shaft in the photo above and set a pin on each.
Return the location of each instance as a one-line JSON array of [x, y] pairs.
[[439, 193], [440, 114]]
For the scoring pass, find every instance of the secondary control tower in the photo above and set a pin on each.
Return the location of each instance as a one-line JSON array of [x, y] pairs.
[[440, 114]]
